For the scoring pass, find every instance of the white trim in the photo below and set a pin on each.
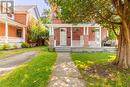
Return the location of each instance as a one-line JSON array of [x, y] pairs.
[[100, 36], [52, 30], [24, 34], [49, 31], [84, 31], [27, 19], [4, 18], [11, 39], [6, 31], [55, 43], [87, 30], [71, 31], [72, 25]]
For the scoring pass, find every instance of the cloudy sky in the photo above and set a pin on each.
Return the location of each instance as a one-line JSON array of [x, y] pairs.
[[40, 3]]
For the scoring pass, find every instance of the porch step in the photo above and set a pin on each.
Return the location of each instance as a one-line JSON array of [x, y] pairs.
[[62, 49]]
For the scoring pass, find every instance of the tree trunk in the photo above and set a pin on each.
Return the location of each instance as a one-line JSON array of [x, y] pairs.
[[123, 53]]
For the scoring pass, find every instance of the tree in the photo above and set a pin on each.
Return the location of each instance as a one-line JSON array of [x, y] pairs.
[[114, 14], [37, 33], [46, 18]]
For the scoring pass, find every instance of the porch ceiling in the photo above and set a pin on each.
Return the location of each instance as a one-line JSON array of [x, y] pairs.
[[72, 25], [11, 22]]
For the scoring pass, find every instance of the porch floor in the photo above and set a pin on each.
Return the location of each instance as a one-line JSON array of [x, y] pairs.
[[83, 49]]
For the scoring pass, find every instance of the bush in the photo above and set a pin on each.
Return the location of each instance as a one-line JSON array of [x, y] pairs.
[[51, 49], [5, 46], [25, 45], [15, 46]]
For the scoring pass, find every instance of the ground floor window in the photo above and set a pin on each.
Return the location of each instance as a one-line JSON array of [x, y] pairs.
[[19, 32]]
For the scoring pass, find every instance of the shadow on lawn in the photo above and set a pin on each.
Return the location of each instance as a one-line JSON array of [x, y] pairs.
[[106, 75]]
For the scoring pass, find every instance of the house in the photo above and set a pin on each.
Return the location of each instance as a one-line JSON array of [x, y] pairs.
[[13, 27], [83, 35]]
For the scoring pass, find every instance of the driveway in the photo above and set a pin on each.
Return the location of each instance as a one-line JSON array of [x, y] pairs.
[[10, 62]]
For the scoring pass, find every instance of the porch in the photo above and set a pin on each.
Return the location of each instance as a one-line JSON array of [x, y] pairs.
[[83, 49], [11, 31], [80, 35]]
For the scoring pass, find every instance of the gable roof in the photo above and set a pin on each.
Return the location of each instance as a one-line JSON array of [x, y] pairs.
[[27, 8], [24, 7]]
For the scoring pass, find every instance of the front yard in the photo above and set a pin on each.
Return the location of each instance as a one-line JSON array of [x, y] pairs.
[[98, 72], [33, 73]]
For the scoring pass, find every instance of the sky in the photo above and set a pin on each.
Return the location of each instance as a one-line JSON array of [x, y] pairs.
[[40, 4]]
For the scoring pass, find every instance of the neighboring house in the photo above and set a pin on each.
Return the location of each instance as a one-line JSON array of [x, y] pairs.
[[13, 28], [84, 35]]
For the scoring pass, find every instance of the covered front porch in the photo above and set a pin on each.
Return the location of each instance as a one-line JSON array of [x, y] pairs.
[[11, 31], [70, 35]]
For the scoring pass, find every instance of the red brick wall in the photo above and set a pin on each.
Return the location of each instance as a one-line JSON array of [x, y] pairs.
[[68, 37], [77, 32], [91, 34], [57, 36], [104, 33], [2, 29], [20, 17], [57, 21], [11, 30]]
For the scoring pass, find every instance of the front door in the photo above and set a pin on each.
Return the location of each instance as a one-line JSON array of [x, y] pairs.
[[97, 37], [63, 33]]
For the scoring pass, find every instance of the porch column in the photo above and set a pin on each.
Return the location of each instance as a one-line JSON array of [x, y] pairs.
[[87, 30], [85, 37], [51, 37], [71, 31], [100, 30], [84, 30], [24, 34], [6, 30]]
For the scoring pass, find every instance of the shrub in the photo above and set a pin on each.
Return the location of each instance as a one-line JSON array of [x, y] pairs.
[[15, 46], [25, 45], [51, 49], [5, 46]]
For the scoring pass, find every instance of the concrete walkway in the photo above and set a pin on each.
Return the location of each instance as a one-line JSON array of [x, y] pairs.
[[10, 62], [65, 73]]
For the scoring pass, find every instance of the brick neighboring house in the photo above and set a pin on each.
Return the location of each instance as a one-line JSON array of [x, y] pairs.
[[13, 27], [83, 35]]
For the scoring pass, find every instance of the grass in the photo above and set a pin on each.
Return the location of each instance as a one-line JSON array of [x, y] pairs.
[[33, 73], [98, 72]]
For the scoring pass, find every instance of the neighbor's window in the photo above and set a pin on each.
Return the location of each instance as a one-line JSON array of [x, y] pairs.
[[18, 32]]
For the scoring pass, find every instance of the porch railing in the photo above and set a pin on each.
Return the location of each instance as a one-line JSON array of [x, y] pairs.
[[11, 39], [93, 44]]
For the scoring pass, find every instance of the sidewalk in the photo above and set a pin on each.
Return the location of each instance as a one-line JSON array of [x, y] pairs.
[[65, 73]]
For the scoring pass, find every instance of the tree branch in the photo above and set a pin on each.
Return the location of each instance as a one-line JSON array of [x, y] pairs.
[[114, 31]]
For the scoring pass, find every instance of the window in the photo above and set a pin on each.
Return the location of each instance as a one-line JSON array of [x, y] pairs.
[[19, 32]]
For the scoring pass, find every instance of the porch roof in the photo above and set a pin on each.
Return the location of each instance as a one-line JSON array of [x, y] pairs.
[[11, 21], [73, 25]]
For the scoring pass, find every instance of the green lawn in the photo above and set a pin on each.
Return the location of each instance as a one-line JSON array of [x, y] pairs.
[[98, 72], [33, 73]]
